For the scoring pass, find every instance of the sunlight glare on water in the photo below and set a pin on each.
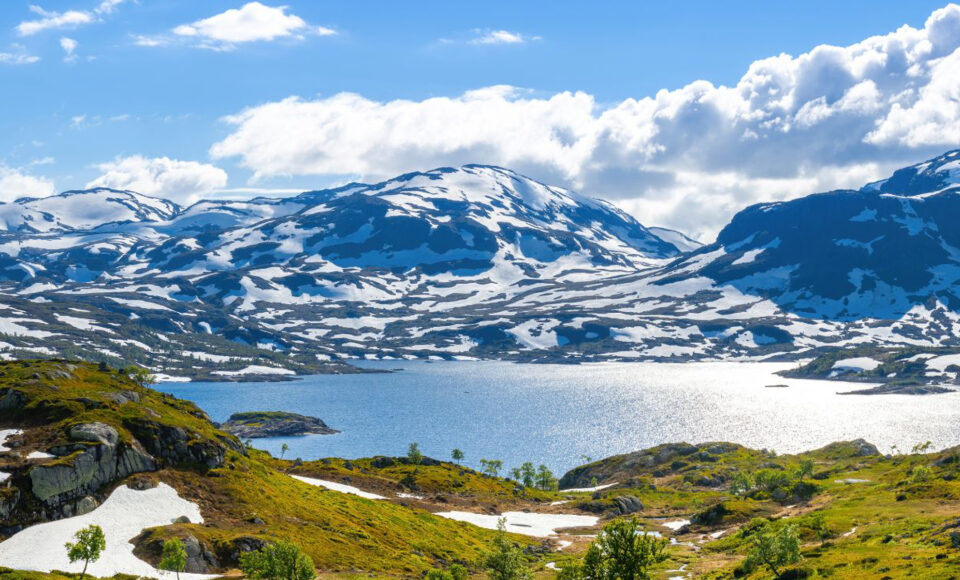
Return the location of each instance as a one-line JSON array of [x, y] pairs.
[[554, 414]]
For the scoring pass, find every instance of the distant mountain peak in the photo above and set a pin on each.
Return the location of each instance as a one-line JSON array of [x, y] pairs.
[[931, 176], [83, 209]]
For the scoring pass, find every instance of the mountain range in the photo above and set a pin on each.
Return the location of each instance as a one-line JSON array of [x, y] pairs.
[[472, 262]]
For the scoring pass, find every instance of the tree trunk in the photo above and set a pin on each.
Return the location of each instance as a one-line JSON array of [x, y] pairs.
[[84, 573]]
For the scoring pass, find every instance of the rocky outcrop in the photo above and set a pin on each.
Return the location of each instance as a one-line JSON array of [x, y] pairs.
[[255, 425], [177, 446], [12, 399], [203, 556], [623, 466], [96, 459]]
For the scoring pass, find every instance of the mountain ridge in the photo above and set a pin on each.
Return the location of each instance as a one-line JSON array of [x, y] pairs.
[[482, 262]]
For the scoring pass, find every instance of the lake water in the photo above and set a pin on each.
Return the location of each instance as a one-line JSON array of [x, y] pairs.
[[554, 414]]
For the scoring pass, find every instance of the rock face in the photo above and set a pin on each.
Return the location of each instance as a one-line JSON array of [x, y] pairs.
[[97, 459], [257, 425]]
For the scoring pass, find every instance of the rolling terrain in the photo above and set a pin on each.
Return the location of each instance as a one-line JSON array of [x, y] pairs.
[[472, 262]]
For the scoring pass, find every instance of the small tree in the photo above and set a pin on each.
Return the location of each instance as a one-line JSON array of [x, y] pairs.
[[457, 455], [818, 524], [545, 479], [140, 375], [506, 561], [90, 543], [174, 556], [774, 547], [280, 561], [528, 474], [623, 551], [283, 450], [805, 469], [491, 467], [414, 454], [920, 448]]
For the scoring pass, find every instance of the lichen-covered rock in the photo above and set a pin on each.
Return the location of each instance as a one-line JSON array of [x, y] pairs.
[[628, 504], [200, 560], [85, 472], [94, 433], [177, 446]]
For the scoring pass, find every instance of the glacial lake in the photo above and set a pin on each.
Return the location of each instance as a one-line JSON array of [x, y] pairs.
[[554, 414]]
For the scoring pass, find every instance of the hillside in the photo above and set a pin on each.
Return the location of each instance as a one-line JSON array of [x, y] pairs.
[[74, 436], [87, 432]]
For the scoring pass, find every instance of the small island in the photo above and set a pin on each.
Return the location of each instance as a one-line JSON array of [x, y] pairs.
[[262, 424]]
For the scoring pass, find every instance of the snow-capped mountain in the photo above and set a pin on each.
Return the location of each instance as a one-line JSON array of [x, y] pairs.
[[846, 255], [475, 261], [312, 271], [83, 210]]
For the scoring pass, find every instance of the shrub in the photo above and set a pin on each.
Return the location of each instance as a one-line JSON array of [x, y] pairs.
[[280, 561], [623, 551], [506, 561]]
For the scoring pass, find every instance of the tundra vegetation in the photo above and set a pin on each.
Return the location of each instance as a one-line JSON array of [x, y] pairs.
[[846, 511]]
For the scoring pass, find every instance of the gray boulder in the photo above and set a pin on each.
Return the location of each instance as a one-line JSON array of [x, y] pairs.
[[69, 484]]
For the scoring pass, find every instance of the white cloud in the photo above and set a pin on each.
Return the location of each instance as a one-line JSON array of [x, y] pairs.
[[53, 20], [685, 158], [69, 45], [60, 20], [18, 58], [179, 181], [500, 37], [150, 41], [253, 22], [14, 184], [108, 6]]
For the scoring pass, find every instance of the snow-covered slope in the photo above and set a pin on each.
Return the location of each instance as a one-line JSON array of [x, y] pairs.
[[480, 261], [83, 210]]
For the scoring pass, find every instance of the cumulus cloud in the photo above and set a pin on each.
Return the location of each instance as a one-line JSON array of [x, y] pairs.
[[14, 184], [686, 158], [253, 22], [180, 181]]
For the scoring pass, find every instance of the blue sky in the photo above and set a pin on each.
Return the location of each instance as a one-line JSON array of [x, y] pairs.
[[134, 85]]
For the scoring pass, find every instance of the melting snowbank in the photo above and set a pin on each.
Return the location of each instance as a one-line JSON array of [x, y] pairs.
[[527, 524], [6, 434], [334, 486], [122, 516], [588, 489]]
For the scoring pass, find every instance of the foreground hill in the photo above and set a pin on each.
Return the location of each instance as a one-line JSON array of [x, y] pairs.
[[86, 432], [470, 262], [77, 441]]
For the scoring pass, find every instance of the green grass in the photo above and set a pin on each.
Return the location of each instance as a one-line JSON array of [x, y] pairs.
[[895, 523]]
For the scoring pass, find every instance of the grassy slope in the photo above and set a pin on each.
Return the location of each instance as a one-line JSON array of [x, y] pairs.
[[449, 480], [902, 526], [340, 532]]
